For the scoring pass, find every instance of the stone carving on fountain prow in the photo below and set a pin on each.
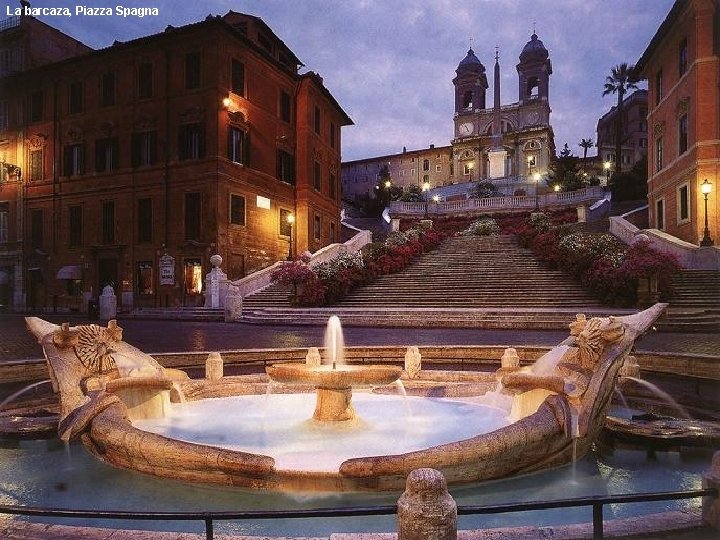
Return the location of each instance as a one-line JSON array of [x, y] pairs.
[[83, 366], [576, 387]]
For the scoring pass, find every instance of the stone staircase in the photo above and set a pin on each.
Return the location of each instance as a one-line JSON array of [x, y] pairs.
[[486, 282], [474, 272], [179, 313], [694, 304]]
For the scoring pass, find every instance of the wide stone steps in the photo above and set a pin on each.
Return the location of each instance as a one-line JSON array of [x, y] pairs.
[[694, 303], [181, 313], [467, 282], [538, 319]]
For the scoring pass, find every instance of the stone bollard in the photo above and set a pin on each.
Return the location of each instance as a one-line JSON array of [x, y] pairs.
[[413, 362], [214, 282], [108, 303], [233, 304], [426, 511], [214, 367], [510, 359], [711, 505], [312, 358]]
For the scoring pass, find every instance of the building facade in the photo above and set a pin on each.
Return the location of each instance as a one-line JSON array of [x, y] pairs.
[[410, 168], [682, 66], [503, 144], [635, 133], [143, 159]]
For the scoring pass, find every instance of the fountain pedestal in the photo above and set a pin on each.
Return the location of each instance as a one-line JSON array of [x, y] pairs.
[[334, 404]]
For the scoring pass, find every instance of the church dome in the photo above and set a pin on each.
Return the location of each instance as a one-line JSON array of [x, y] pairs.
[[534, 50], [470, 63]]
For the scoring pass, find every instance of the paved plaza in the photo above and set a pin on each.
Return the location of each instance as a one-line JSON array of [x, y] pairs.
[[157, 336]]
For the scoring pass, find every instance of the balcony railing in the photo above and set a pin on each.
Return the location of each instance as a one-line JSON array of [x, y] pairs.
[[8, 23], [568, 198]]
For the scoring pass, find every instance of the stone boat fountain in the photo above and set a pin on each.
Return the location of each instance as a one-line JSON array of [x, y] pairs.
[[124, 407]]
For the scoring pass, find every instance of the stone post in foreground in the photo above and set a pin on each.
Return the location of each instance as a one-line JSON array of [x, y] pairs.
[[426, 511], [711, 505]]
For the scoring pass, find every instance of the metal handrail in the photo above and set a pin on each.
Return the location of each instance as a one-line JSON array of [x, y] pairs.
[[596, 502]]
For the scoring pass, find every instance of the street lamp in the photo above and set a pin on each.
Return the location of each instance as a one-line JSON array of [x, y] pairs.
[[536, 177], [706, 188], [388, 183], [290, 220], [425, 189], [607, 166]]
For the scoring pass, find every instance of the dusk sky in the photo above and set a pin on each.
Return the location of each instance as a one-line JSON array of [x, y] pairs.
[[390, 63]]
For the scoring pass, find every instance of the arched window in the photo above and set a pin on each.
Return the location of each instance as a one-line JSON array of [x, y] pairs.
[[468, 99], [533, 87]]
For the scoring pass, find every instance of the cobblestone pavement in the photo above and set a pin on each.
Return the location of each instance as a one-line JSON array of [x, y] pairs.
[[154, 336]]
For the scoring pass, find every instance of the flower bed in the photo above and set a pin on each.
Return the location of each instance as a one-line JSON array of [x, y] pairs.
[[602, 263], [482, 227], [326, 283]]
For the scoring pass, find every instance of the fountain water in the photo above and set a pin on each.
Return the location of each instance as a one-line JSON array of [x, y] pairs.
[[334, 342], [664, 396], [12, 397]]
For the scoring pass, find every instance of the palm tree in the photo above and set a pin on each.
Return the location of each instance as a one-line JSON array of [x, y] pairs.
[[621, 79], [586, 145]]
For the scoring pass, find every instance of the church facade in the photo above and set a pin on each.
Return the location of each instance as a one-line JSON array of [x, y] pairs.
[[508, 145], [504, 144]]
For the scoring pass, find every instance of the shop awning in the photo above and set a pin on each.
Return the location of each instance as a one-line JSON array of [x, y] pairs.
[[70, 272]]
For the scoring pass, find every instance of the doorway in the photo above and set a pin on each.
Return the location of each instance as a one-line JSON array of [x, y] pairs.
[[107, 274]]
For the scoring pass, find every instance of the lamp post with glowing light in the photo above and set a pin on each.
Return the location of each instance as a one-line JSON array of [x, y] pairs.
[[425, 189], [291, 221], [706, 188], [607, 166], [536, 177]]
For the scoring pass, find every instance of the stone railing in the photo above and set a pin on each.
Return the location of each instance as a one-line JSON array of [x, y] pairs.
[[594, 212], [568, 198], [261, 279], [688, 255]]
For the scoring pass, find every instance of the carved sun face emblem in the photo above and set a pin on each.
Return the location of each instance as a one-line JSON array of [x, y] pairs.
[[94, 348]]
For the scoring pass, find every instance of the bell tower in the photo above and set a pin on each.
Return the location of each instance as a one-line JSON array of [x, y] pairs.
[[534, 72], [470, 84]]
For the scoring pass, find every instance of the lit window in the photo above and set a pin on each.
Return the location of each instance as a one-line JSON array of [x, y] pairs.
[[193, 276], [145, 279]]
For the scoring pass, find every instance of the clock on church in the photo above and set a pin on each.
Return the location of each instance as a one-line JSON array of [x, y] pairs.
[[465, 128]]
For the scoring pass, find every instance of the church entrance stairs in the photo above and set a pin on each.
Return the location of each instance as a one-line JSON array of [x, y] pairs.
[[488, 282]]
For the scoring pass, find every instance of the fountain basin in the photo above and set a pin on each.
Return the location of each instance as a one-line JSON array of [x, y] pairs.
[[341, 376], [556, 430], [144, 397]]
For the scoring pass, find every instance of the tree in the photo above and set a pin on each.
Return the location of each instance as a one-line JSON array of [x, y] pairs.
[[631, 185], [483, 190], [621, 79], [586, 145], [564, 171], [413, 193]]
